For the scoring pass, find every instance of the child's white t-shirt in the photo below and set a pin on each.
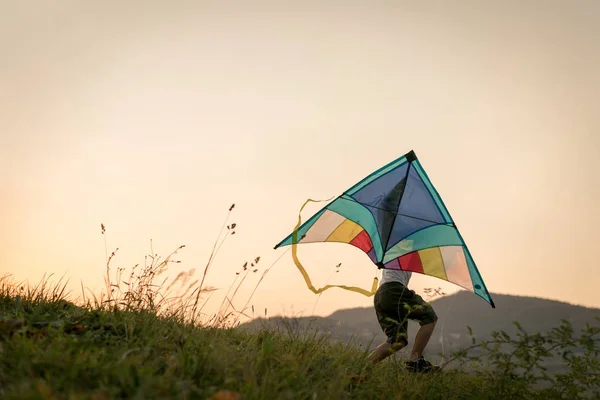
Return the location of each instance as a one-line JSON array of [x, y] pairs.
[[394, 275]]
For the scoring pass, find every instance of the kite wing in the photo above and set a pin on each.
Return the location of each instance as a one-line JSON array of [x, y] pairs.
[[399, 220]]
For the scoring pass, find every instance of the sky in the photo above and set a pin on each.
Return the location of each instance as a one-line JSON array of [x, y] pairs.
[[152, 118]]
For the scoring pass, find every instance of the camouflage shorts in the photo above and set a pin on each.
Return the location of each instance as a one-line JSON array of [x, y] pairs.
[[395, 304]]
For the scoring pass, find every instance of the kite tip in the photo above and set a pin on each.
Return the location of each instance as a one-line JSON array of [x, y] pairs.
[[492, 303], [411, 156]]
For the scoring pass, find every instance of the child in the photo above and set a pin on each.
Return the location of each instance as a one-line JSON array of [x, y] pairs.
[[395, 304]]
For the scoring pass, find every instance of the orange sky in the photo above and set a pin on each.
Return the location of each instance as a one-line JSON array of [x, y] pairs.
[[153, 117]]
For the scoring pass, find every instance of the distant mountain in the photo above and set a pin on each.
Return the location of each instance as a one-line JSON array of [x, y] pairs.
[[455, 313]]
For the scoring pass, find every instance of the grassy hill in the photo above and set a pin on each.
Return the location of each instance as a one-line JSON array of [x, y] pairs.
[[456, 314], [130, 347]]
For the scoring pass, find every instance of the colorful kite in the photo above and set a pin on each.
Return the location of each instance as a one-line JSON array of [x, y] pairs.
[[399, 220]]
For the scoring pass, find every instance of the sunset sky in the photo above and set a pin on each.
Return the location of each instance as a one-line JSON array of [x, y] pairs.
[[154, 117]]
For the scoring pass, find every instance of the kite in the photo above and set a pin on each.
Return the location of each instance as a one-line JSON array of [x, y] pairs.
[[397, 217]]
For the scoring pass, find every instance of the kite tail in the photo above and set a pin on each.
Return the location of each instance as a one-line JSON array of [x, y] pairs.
[[305, 274]]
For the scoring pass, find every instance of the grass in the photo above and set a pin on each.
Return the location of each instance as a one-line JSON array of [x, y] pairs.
[[58, 350], [147, 338]]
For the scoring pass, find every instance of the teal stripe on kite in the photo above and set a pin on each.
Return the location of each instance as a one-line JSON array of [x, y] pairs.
[[349, 208], [433, 236], [478, 285]]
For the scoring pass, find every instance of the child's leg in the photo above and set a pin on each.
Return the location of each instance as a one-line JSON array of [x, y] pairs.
[[421, 339], [422, 312], [383, 351]]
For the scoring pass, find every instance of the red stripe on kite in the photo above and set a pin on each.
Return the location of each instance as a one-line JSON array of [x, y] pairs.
[[411, 262], [362, 241]]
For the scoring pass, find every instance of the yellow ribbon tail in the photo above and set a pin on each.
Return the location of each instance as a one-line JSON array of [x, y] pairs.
[[303, 270]]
